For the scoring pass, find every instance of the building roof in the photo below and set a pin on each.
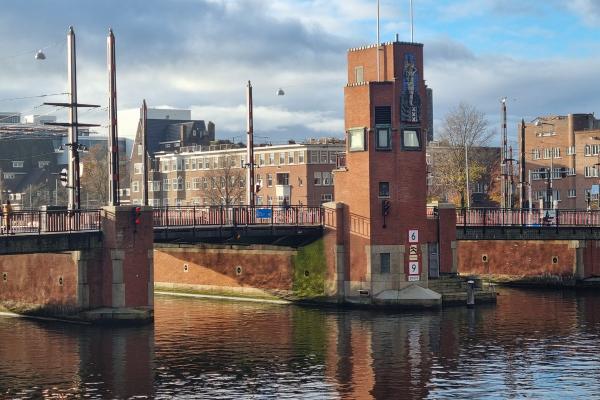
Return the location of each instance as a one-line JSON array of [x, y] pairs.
[[166, 130]]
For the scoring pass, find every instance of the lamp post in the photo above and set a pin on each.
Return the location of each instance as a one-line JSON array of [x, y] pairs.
[[467, 174], [549, 189], [249, 164]]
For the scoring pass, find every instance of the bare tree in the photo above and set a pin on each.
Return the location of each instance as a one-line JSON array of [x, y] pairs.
[[465, 128], [94, 181], [226, 183]]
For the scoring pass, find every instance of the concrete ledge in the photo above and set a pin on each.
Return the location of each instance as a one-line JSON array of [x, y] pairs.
[[413, 296], [218, 297], [136, 316], [227, 291]]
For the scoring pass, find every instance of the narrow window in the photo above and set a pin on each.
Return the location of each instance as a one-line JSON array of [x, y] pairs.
[[359, 74], [384, 189], [383, 138], [384, 259]]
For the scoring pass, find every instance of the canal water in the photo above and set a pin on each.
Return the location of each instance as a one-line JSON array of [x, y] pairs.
[[533, 344]]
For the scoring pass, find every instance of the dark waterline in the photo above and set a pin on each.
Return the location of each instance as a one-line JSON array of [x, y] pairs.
[[534, 344]]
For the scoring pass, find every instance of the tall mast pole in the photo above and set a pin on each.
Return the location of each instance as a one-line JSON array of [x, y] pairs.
[[250, 148], [73, 154], [504, 156], [144, 153], [412, 30], [377, 51], [113, 142], [522, 189]]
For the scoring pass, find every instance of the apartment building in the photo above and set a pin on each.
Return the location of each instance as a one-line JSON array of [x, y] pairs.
[[187, 166], [294, 174], [569, 146]]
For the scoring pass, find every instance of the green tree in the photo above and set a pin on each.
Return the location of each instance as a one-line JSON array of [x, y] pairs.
[[94, 179], [464, 128], [226, 183]]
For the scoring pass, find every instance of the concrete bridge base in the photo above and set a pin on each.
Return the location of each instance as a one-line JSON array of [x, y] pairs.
[[111, 280]]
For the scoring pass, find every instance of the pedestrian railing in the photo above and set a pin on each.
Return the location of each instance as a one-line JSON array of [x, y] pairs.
[[56, 221], [193, 216], [483, 217]]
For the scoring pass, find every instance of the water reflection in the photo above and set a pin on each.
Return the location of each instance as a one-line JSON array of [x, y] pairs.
[[532, 344]]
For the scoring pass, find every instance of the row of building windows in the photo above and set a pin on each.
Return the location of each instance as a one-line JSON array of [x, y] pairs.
[[548, 153], [557, 173], [554, 152], [410, 139], [178, 184], [204, 201], [262, 159]]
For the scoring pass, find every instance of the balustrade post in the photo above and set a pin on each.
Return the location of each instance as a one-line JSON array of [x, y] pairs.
[[484, 218]]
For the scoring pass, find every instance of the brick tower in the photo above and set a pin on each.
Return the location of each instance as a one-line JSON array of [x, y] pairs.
[[383, 183]]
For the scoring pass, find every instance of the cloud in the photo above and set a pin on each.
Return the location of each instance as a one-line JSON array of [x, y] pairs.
[[588, 10], [186, 53], [199, 54], [534, 87]]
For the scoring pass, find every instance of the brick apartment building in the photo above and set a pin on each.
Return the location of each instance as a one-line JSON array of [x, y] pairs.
[[187, 166], [570, 145]]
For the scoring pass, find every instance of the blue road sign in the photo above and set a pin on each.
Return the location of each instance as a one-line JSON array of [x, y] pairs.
[[264, 213]]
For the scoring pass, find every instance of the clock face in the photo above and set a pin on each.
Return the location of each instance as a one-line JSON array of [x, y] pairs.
[[410, 101]]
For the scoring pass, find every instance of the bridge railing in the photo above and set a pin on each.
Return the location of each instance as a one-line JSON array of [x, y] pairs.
[[237, 215], [525, 217], [56, 221]]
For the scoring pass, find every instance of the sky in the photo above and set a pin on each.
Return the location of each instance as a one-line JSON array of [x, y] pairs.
[[542, 55]]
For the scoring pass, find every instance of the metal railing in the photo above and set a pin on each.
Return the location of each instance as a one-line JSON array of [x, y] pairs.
[[483, 217], [193, 216], [28, 222]]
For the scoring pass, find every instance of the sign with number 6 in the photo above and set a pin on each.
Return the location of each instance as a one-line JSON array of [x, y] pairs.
[[413, 236]]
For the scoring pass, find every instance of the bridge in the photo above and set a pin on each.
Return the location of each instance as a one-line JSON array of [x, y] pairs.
[[61, 230], [542, 224]]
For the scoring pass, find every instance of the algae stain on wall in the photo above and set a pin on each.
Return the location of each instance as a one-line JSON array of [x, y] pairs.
[[309, 270]]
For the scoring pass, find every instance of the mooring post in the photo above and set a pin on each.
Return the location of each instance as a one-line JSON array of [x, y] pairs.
[[470, 293]]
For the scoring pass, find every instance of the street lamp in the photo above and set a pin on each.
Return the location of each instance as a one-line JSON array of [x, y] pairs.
[[250, 186], [549, 190]]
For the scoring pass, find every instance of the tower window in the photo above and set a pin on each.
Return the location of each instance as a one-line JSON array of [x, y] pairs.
[[384, 259], [356, 139], [359, 74], [383, 138], [384, 189], [411, 139]]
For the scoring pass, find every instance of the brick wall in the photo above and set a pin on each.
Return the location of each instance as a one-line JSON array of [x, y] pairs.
[[215, 267], [518, 258]]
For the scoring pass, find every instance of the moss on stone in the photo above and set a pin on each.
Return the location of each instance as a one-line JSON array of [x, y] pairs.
[[309, 271]]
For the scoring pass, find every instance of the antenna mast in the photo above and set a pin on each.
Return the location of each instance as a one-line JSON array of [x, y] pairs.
[[412, 31], [377, 52]]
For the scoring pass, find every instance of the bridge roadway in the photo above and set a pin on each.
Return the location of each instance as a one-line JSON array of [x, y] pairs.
[[525, 224], [33, 231]]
